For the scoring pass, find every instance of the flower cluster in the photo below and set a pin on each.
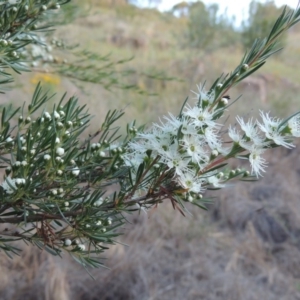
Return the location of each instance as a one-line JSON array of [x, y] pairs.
[[191, 145]]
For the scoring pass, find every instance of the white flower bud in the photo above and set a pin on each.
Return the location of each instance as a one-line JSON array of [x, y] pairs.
[[109, 221], [54, 192], [190, 199], [47, 157], [59, 172], [81, 247], [67, 133], [47, 116], [102, 154], [75, 172], [98, 202], [62, 113], [60, 125], [24, 163], [215, 153], [67, 242], [32, 152], [224, 101], [17, 164], [99, 222], [9, 140], [60, 151], [57, 140], [66, 203], [56, 115]]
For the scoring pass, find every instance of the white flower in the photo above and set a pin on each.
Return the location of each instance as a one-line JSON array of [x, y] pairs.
[[194, 146], [215, 181], [200, 117], [60, 151], [212, 138], [173, 159], [190, 182], [9, 185], [257, 162], [251, 130], [57, 140], [99, 222], [294, 125], [234, 134], [270, 128], [204, 96]]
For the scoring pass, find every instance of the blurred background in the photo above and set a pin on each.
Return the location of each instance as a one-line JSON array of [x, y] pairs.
[[247, 245]]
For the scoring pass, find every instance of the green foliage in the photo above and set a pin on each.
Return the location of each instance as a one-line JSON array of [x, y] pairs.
[[207, 29], [261, 18]]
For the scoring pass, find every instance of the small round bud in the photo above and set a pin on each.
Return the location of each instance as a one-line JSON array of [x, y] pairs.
[[61, 113], [54, 192], [47, 116], [81, 247], [60, 151], [98, 202], [75, 172], [214, 153], [8, 170], [219, 85], [14, 9], [20, 119], [190, 199], [67, 242], [27, 120], [47, 157], [57, 140], [69, 124], [102, 154], [66, 203], [44, 7], [224, 101], [99, 222], [59, 172], [245, 67], [56, 115]]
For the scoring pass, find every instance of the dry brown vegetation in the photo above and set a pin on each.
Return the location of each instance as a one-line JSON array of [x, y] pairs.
[[247, 246]]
